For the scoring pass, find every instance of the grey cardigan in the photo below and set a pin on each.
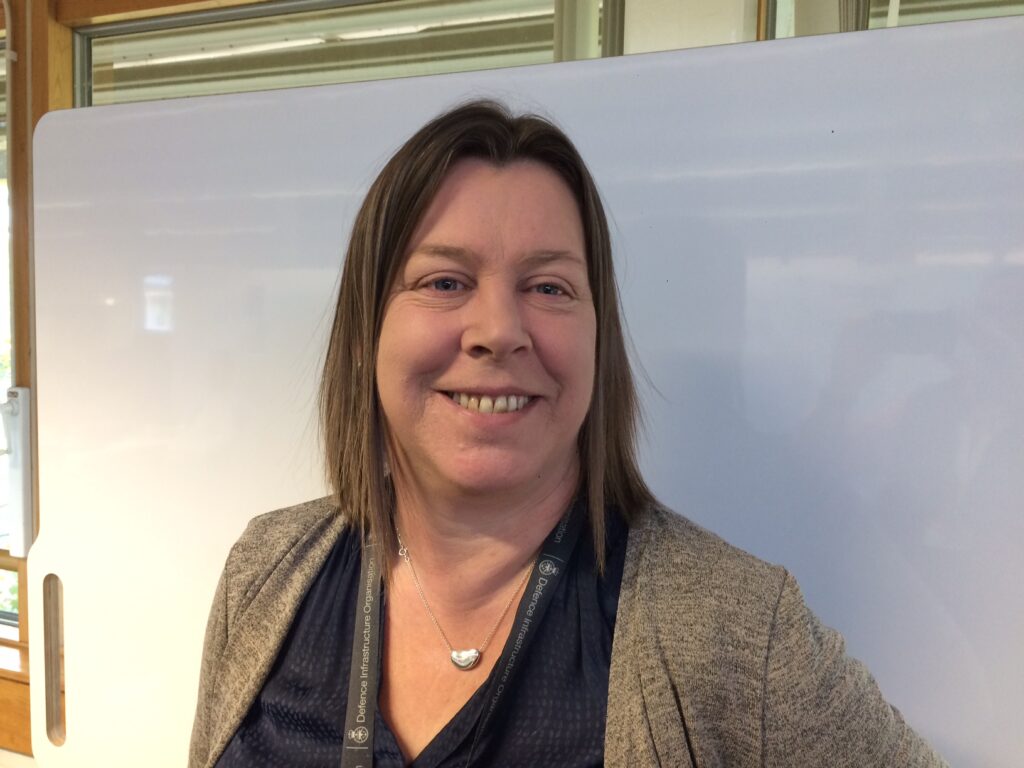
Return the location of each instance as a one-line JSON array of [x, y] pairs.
[[716, 661]]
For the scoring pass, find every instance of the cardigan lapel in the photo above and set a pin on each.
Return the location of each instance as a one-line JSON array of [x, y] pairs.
[[260, 627], [645, 723]]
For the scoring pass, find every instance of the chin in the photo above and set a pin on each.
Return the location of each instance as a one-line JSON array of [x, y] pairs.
[[483, 483], [503, 474]]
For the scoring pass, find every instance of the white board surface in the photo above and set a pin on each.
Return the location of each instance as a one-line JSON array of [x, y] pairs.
[[820, 245]]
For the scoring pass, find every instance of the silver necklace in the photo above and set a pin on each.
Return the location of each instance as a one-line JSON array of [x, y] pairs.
[[468, 658]]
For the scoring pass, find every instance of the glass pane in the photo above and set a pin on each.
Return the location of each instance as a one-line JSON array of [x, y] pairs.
[[907, 12], [796, 18], [8, 597], [656, 25], [362, 42]]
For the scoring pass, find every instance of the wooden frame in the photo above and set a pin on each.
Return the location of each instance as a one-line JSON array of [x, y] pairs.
[[765, 19], [15, 734], [80, 13], [40, 80]]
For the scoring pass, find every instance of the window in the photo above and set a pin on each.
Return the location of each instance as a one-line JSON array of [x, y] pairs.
[[305, 42], [203, 54]]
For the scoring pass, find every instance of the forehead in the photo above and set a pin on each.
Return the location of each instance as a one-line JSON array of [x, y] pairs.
[[521, 202]]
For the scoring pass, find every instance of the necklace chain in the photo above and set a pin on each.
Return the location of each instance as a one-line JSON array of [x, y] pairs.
[[403, 552]]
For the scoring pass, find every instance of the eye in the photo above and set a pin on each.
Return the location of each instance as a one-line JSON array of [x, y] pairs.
[[445, 284], [550, 289]]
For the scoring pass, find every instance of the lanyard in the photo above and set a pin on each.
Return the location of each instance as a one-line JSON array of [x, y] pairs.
[[364, 674]]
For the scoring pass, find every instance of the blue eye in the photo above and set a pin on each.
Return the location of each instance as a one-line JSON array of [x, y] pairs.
[[550, 289], [445, 284]]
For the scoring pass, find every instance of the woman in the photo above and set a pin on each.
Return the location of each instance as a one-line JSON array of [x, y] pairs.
[[492, 582]]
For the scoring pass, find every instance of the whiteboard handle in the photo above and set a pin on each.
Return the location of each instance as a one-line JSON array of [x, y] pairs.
[[17, 416]]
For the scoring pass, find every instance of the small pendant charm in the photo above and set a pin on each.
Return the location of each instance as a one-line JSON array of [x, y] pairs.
[[466, 659]]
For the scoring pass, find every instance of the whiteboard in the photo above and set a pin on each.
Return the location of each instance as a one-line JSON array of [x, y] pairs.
[[820, 244]]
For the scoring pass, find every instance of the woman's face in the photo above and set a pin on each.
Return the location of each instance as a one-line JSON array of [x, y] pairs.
[[485, 363]]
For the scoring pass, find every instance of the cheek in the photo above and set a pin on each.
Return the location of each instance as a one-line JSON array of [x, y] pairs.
[[401, 338], [574, 357], [392, 365], [412, 344]]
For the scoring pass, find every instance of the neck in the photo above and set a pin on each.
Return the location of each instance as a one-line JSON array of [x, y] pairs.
[[469, 548]]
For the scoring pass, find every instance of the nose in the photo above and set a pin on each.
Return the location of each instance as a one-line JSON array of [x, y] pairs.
[[495, 323]]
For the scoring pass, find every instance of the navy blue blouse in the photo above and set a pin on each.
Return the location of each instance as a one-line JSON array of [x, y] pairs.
[[553, 712]]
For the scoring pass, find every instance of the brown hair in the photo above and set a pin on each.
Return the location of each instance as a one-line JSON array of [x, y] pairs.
[[351, 421]]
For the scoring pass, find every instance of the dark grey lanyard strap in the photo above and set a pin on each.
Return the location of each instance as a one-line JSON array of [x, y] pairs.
[[364, 673]]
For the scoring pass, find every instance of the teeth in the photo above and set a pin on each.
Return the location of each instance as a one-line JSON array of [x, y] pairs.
[[487, 404]]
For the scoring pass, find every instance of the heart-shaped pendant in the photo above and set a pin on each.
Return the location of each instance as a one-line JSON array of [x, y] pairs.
[[465, 659]]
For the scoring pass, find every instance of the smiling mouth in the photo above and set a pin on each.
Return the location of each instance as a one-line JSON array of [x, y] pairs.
[[487, 404]]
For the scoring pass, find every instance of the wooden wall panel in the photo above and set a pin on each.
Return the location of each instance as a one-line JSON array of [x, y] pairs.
[[14, 722]]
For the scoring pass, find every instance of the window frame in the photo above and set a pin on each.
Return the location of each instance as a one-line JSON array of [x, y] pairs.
[[85, 36]]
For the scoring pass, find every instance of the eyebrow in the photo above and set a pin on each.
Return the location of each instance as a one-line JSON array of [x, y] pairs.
[[467, 255]]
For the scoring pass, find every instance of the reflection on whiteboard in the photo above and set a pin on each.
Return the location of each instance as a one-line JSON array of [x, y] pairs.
[[159, 297]]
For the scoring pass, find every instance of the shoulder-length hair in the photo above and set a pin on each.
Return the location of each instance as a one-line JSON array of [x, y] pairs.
[[352, 426]]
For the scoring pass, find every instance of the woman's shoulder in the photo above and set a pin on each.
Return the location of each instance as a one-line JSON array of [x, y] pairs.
[[289, 523], [739, 655], [289, 542], [675, 556]]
